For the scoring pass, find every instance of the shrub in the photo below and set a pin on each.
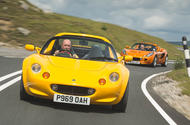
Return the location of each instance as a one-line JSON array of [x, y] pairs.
[[179, 63], [104, 28]]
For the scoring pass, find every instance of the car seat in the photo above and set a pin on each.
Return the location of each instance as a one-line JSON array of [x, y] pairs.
[[95, 51]]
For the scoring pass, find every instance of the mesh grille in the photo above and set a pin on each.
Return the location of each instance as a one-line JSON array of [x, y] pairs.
[[136, 59], [73, 90]]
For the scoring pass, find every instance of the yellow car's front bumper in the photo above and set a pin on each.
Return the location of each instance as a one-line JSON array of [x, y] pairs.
[[104, 95]]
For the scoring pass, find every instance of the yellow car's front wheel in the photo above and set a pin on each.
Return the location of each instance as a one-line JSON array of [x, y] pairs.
[[23, 94], [122, 105]]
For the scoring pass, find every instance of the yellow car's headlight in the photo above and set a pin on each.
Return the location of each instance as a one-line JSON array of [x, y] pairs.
[[36, 67], [114, 76]]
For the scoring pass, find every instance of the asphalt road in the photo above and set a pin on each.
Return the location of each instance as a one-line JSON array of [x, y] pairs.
[[41, 112]]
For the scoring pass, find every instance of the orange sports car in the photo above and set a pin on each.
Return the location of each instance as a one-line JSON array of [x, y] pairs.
[[146, 53]]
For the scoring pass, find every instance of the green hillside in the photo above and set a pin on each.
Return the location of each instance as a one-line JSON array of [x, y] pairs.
[[14, 16]]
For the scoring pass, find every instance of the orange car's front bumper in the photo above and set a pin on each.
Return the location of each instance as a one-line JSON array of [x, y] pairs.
[[142, 60]]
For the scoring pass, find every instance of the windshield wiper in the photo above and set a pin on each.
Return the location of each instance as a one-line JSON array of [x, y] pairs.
[[103, 58]]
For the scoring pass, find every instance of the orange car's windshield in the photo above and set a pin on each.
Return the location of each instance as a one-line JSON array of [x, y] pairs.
[[84, 47], [143, 47]]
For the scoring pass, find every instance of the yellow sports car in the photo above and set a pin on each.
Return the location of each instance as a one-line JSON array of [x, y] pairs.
[[76, 68]]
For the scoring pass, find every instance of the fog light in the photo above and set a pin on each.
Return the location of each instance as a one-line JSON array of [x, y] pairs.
[[91, 91], [102, 81], [54, 87], [46, 75]]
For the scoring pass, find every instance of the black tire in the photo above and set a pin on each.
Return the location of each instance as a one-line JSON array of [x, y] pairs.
[[122, 105], [154, 63], [23, 94], [165, 62]]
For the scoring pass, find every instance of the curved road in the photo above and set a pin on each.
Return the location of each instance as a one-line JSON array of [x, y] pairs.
[[41, 112]]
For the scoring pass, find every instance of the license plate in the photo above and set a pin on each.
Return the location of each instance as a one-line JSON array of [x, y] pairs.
[[71, 99], [134, 62]]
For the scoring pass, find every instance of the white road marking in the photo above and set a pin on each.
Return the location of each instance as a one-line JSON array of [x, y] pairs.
[[4, 86], [171, 61], [154, 103], [10, 75]]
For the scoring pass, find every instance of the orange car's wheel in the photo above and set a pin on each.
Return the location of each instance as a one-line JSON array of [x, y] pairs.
[[121, 106], [23, 94], [154, 63], [165, 62]]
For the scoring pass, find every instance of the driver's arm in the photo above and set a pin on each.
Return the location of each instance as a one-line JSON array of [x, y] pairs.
[[56, 52], [75, 56]]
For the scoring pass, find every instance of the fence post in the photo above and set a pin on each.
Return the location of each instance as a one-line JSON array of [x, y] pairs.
[[186, 52]]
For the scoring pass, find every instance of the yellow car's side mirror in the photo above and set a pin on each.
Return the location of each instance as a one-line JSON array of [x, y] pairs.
[[29, 47], [127, 58]]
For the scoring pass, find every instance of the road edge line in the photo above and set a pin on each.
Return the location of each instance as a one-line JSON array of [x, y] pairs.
[[153, 102], [10, 75], [4, 86]]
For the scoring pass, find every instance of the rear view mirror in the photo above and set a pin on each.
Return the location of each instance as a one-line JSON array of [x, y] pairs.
[[83, 43]]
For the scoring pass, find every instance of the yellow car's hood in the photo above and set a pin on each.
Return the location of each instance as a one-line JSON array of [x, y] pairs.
[[70, 71], [76, 72], [76, 64]]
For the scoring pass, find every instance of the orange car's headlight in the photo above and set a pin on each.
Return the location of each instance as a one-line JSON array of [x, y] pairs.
[[36, 67], [114, 76], [150, 54]]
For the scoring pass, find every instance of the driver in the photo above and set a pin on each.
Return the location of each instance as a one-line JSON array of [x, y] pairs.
[[142, 47], [66, 50]]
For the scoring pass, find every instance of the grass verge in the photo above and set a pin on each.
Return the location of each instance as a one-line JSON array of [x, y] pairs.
[[180, 75]]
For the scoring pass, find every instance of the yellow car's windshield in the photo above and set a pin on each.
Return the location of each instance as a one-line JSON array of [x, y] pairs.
[[86, 48]]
